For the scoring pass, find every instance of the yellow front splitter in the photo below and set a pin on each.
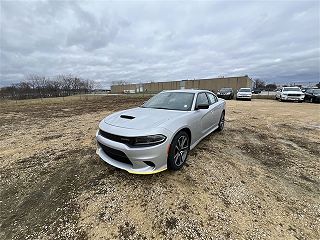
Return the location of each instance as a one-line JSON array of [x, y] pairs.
[[134, 172]]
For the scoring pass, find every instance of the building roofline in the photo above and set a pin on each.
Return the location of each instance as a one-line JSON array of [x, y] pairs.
[[184, 80]]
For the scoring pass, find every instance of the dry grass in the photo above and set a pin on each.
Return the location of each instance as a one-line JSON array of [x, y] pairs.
[[259, 178]]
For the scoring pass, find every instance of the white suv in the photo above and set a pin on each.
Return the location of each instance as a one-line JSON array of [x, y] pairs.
[[290, 94]]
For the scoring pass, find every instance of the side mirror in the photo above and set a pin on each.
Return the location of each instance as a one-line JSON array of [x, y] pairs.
[[202, 106]]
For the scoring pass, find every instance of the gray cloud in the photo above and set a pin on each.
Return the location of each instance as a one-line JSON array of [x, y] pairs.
[[158, 41]]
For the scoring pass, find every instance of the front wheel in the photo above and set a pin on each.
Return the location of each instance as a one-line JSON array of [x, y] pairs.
[[179, 150], [221, 122]]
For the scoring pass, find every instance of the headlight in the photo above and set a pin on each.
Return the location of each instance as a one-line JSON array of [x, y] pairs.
[[149, 140], [284, 93]]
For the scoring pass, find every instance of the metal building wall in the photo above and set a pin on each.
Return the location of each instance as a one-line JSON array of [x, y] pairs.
[[213, 84]]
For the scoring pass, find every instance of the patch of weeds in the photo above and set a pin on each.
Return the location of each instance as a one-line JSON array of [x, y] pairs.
[[171, 223], [128, 231]]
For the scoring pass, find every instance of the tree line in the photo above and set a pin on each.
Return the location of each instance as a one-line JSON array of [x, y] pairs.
[[37, 86], [261, 84]]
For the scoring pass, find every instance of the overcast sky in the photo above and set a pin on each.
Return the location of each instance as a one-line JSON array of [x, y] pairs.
[[278, 41]]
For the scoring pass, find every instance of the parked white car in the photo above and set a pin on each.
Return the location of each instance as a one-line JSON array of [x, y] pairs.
[[244, 93], [290, 94]]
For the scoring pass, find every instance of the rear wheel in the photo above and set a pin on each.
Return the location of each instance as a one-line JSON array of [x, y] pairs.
[[221, 122], [179, 150]]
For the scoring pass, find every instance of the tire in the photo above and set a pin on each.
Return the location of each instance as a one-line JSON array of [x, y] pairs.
[[221, 122], [179, 150]]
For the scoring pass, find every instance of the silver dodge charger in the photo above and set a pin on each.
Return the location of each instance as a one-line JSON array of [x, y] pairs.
[[159, 134]]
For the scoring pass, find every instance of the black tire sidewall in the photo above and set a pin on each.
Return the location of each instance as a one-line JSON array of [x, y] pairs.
[[170, 161], [219, 128]]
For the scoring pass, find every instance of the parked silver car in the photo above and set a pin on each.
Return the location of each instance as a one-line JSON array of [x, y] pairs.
[[159, 134]]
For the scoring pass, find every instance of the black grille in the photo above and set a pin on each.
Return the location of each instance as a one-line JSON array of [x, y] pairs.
[[115, 154], [294, 95], [117, 138]]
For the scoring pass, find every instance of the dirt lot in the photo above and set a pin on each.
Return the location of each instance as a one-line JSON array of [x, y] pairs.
[[258, 179]]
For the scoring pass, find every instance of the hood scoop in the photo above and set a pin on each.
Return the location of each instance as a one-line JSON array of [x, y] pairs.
[[127, 117]]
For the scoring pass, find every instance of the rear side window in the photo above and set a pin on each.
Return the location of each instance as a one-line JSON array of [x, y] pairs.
[[213, 99], [202, 99]]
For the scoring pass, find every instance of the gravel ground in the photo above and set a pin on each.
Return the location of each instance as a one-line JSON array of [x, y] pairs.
[[258, 179]]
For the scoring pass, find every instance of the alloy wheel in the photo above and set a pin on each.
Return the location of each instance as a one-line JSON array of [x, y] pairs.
[[181, 150]]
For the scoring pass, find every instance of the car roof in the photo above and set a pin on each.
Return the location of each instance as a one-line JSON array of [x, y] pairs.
[[187, 90]]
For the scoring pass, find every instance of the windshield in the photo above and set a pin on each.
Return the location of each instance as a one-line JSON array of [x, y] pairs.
[[225, 90], [291, 89], [171, 100], [245, 90]]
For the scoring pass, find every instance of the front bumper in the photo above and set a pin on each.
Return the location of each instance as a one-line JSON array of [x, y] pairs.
[[224, 96], [140, 160], [244, 96], [316, 99], [292, 98]]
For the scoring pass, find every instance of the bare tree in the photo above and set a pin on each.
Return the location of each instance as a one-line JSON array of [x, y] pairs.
[[260, 84], [271, 87]]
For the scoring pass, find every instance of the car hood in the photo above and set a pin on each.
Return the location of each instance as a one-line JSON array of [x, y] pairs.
[[142, 118], [292, 92]]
